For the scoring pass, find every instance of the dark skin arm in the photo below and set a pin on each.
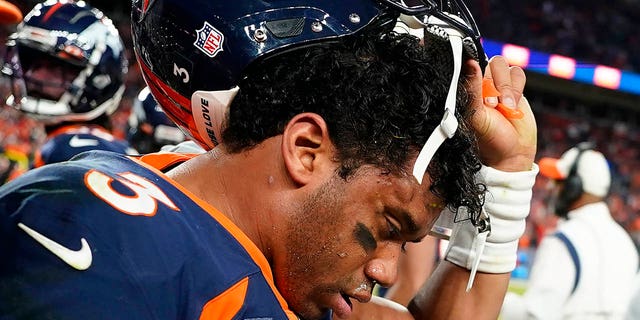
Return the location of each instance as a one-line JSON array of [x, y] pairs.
[[449, 280], [414, 268], [443, 297]]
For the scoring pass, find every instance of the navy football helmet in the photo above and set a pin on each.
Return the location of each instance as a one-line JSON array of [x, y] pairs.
[[193, 53], [149, 128], [66, 62]]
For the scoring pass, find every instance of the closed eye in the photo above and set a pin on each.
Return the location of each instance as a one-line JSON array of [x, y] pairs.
[[394, 234]]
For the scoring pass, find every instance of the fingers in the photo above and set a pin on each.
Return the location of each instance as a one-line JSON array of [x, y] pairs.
[[502, 87], [525, 108], [505, 128], [490, 93], [518, 80], [508, 80]]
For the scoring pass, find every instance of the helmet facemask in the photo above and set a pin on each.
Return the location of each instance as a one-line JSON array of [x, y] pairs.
[[46, 77]]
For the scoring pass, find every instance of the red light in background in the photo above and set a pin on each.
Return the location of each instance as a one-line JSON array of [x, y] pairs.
[[607, 77], [562, 67], [516, 55]]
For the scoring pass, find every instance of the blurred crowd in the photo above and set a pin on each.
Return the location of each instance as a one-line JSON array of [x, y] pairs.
[[595, 31], [563, 123], [603, 32]]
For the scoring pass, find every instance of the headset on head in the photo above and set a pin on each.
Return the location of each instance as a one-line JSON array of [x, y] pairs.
[[572, 185]]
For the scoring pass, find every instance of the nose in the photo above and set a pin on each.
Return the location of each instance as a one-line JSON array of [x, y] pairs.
[[383, 268]]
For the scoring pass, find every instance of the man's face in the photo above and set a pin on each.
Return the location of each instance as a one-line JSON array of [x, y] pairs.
[[555, 188], [48, 79], [348, 235]]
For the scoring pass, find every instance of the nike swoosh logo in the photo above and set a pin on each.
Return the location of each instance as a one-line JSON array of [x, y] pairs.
[[80, 142], [80, 260]]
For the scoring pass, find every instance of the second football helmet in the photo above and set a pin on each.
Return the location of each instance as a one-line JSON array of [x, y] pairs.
[[66, 62]]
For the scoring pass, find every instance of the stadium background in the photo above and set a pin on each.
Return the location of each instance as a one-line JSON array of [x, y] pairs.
[[592, 33]]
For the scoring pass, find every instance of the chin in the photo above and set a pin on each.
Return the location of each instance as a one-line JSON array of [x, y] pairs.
[[308, 310], [326, 315]]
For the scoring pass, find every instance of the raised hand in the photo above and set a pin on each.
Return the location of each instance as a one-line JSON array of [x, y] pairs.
[[507, 143]]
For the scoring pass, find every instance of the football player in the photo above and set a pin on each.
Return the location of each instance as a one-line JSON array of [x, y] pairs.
[[149, 128], [586, 268], [333, 141], [66, 64]]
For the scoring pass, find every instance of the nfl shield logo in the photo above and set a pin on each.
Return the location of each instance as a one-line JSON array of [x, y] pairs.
[[209, 40]]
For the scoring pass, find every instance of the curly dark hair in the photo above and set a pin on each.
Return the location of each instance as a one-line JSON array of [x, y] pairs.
[[381, 97]]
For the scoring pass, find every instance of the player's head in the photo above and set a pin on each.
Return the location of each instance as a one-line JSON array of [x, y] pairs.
[[66, 62], [149, 128], [580, 170], [197, 56], [236, 75]]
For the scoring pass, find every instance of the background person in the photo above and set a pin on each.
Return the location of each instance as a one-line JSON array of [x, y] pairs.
[[149, 127], [586, 268], [10, 167]]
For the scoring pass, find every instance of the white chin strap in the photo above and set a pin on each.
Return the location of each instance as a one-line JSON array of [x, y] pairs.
[[449, 124]]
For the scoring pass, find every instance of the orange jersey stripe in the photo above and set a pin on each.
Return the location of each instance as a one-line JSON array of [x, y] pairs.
[[163, 160], [227, 304]]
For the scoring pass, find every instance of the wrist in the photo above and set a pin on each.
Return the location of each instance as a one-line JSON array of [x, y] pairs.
[[507, 203], [521, 163]]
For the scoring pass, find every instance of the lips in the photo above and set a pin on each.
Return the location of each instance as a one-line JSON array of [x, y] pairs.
[[342, 303], [347, 299], [342, 306]]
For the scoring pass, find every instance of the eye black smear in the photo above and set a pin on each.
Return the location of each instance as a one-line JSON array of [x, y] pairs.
[[365, 238]]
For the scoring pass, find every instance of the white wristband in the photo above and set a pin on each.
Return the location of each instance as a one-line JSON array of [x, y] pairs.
[[507, 203]]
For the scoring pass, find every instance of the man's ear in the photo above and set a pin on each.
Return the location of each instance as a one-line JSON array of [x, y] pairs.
[[306, 147]]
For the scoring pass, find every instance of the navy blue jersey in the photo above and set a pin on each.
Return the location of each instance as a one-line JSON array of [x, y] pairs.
[[107, 237], [64, 143]]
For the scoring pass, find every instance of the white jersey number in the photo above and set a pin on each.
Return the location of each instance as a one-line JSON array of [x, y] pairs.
[[144, 200]]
